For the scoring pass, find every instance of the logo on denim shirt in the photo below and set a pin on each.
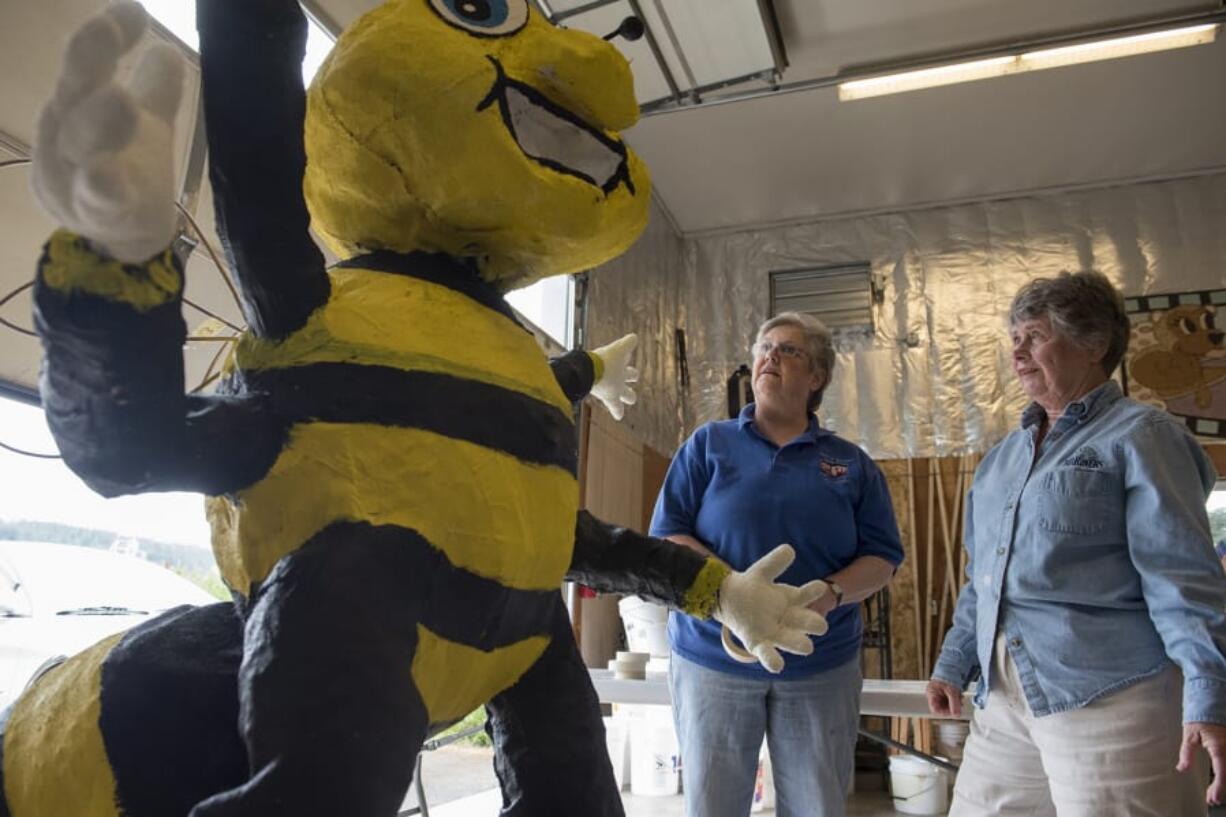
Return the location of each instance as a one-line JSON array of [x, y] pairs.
[[833, 468], [1085, 457]]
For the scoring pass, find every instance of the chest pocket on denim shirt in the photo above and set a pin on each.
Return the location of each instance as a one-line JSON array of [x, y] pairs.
[[1079, 501]]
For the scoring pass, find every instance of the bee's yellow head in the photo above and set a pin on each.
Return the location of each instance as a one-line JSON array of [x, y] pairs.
[[475, 128]]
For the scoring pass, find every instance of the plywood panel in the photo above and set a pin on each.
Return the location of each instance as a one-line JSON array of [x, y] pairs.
[[613, 485], [655, 468], [1217, 453], [904, 625], [612, 489], [929, 503]]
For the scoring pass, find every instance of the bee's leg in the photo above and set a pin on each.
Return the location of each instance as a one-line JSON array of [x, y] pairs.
[[549, 741], [329, 711]]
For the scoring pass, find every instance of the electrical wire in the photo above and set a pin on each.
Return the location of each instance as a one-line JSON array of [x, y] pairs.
[[25, 453], [209, 376], [212, 315], [221, 268], [10, 296]]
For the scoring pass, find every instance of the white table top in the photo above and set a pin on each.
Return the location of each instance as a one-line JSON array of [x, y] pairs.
[[891, 698]]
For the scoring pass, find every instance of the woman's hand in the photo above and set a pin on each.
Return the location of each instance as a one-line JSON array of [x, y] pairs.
[[823, 605], [944, 699], [1212, 737]]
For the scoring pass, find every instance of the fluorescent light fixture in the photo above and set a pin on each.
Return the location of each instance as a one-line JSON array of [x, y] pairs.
[[1120, 47], [1057, 57], [927, 78]]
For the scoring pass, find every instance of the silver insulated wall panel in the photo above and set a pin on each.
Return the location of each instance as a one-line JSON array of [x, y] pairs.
[[933, 376]]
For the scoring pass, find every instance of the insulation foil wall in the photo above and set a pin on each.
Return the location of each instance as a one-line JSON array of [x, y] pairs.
[[933, 378]]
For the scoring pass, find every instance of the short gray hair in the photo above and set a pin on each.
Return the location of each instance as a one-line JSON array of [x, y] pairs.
[[1082, 306], [819, 343]]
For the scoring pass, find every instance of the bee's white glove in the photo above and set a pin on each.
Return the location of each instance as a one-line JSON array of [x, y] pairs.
[[614, 388], [103, 161], [769, 616]]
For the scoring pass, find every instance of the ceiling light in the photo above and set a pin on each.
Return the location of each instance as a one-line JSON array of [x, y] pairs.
[[1056, 57], [1119, 47]]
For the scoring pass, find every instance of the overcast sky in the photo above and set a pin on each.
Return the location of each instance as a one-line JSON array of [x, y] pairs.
[[45, 490]]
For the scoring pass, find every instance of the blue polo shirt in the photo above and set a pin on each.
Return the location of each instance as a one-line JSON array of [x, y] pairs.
[[741, 495]]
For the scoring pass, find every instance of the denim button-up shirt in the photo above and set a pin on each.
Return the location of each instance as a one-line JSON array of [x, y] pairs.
[[1094, 558]]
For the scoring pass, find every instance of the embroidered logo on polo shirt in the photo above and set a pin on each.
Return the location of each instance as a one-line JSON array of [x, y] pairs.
[[1085, 457], [833, 468]]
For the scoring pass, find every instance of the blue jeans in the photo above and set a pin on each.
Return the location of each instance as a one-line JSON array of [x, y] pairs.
[[810, 726]]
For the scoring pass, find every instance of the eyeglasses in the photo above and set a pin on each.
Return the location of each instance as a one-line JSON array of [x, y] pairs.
[[765, 347]]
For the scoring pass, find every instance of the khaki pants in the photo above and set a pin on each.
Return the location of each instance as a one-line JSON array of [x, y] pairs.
[[1112, 758]]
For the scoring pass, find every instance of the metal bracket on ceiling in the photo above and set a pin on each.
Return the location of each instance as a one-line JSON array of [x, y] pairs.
[[675, 92], [13, 145], [1217, 15]]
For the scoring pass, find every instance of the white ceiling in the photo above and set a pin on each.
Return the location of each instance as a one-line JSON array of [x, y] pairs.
[[806, 155], [798, 156]]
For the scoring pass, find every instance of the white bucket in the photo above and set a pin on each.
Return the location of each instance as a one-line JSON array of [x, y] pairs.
[[917, 786], [617, 741], [764, 784], [655, 763], [950, 738], [646, 625]]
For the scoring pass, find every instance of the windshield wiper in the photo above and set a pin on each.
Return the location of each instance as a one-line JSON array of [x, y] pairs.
[[102, 610]]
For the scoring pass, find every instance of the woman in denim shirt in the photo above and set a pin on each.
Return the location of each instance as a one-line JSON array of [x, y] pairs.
[[1094, 608]]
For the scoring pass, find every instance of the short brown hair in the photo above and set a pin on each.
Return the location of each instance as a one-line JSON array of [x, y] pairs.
[[1083, 306]]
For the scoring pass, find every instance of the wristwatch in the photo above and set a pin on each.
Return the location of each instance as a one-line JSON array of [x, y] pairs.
[[837, 590]]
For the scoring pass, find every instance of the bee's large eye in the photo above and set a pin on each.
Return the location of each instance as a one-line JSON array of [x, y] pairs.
[[485, 18], [1187, 326], [1207, 321]]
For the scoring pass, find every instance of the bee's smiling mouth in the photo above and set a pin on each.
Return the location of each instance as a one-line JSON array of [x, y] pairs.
[[555, 137]]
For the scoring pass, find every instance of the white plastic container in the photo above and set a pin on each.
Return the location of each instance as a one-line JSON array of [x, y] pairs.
[[630, 665], [917, 786], [655, 762], [657, 669], [764, 784], [950, 738], [617, 741], [646, 626]]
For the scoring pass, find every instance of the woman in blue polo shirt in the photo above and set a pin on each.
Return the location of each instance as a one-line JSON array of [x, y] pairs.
[[737, 489]]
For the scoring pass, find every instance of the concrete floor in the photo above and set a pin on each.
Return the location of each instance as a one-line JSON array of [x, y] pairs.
[[460, 782], [485, 804], [861, 804]]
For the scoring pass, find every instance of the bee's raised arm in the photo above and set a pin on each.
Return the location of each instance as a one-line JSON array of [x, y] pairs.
[[254, 105]]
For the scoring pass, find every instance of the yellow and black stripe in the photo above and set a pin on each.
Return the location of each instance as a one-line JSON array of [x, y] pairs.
[[143, 724], [397, 497], [113, 385], [390, 463]]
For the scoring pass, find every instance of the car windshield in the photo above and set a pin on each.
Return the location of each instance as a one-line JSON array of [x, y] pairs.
[[70, 580]]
